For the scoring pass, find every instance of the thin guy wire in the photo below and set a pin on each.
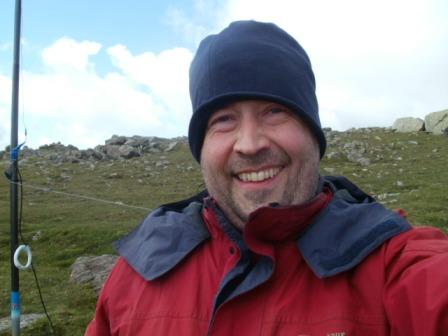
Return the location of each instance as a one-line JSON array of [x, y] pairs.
[[90, 198]]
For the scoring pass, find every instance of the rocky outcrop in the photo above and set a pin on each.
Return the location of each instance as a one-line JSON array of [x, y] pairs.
[[408, 124], [437, 122], [26, 320], [120, 147], [355, 152], [92, 270], [115, 148]]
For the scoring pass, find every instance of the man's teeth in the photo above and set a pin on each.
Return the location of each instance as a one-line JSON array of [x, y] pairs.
[[259, 176]]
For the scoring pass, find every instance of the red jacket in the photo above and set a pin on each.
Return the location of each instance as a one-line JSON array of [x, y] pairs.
[[341, 267]]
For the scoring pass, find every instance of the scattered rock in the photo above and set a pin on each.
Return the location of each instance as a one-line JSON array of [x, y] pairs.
[[359, 159], [92, 270], [112, 152], [128, 152], [171, 146], [37, 235], [162, 163], [65, 177], [116, 140], [354, 152], [92, 153], [330, 170], [408, 124], [115, 148], [382, 197], [333, 155], [26, 320], [114, 176], [437, 122], [138, 141]]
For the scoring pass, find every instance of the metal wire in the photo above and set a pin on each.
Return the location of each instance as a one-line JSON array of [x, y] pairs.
[[90, 198]]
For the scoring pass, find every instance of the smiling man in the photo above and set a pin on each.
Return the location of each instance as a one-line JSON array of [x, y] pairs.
[[256, 153], [271, 247]]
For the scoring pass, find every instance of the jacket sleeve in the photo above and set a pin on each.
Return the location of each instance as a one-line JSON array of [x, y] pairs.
[[100, 325], [416, 292]]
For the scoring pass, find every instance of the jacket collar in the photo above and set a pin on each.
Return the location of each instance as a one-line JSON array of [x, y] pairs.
[[164, 238], [345, 232], [351, 227]]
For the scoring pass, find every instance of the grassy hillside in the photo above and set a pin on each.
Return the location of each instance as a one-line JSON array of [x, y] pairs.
[[406, 171]]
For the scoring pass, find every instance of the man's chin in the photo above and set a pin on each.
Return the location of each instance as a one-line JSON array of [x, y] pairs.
[[247, 203], [247, 210]]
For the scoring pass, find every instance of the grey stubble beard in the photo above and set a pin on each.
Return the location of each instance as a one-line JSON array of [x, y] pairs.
[[306, 185]]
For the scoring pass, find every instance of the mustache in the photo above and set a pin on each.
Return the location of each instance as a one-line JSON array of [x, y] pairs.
[[266, 157]]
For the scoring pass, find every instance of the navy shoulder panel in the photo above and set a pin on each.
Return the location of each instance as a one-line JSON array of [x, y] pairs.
[[351, 227], [165, 237]]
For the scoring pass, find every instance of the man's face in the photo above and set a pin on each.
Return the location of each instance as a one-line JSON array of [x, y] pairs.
[[256, 153]]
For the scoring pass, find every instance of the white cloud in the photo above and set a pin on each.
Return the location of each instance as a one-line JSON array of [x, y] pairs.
[[85, 109], [374, 61], [68, 54], [69, 101], [165, 75]]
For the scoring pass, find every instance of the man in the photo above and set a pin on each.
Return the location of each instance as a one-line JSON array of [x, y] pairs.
[[272, 248]]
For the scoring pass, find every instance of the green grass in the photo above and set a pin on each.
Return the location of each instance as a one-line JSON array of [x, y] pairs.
[[421, 169], [70, 227]]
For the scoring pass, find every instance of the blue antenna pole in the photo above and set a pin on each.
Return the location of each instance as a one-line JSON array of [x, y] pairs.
[[15, 294]]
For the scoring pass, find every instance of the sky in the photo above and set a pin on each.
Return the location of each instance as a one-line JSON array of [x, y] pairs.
[[92, 69]]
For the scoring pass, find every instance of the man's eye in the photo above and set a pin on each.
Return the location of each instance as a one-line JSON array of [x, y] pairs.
[[222, 122], [277, 114], [221, 119], [275, 110]]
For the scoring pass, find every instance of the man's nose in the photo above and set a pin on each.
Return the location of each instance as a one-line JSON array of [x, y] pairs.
[[250, 138]]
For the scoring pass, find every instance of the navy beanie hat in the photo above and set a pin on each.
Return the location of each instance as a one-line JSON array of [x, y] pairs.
[[251, 60]]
